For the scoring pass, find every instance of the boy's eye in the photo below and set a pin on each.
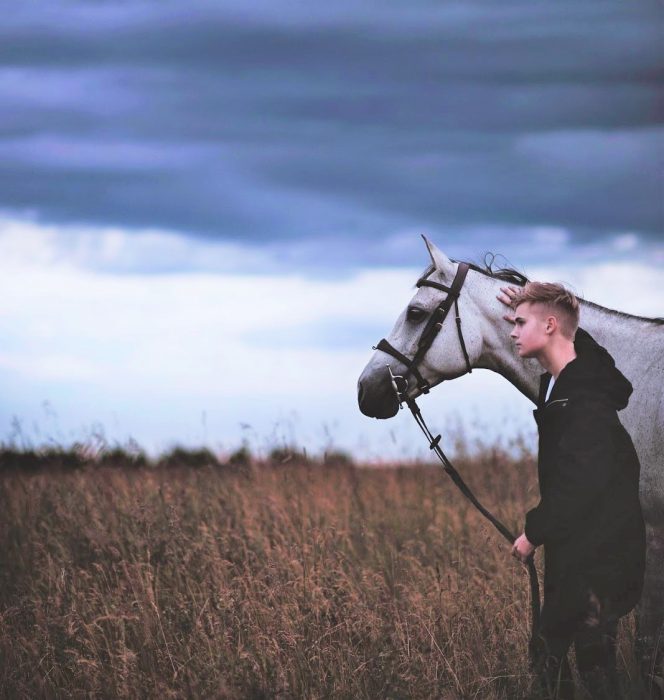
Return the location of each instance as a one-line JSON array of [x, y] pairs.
[[415, 314]]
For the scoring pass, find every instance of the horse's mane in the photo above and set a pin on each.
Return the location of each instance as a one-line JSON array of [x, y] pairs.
[[512, 275], [657, 320], [506, 274]]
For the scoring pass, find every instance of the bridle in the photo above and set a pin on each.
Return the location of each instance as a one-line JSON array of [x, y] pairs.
[[400, 385], [431, 330]]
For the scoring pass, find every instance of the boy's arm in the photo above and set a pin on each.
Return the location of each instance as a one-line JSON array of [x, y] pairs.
[[583, 470]]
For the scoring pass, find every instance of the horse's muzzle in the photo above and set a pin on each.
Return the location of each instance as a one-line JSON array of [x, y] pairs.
[[375, 395]]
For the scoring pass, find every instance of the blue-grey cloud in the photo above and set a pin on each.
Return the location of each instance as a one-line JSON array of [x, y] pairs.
[[298, 129]]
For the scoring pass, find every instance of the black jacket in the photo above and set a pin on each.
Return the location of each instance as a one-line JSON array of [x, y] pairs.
[[589, 517]]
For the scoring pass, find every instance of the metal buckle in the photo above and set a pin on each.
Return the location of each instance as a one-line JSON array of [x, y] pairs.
[[394, 378]]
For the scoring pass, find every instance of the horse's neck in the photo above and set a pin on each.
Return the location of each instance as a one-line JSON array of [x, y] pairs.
[[498, 353], [500, 356], [627, 338], [635, 345]]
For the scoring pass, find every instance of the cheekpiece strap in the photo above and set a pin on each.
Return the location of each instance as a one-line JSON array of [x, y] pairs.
[[432, 328]]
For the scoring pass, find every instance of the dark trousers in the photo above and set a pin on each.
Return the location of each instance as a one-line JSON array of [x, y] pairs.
[[594, 640]]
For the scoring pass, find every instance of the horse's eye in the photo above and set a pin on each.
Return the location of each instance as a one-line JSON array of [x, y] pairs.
[[415, 314]]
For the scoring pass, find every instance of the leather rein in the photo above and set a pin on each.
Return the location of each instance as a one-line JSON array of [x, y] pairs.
[[399, 383]]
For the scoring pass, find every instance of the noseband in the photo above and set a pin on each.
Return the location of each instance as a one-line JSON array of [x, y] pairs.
[[431, 330]]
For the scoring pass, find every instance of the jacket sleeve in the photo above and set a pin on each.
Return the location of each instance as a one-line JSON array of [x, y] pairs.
[[582, 470]]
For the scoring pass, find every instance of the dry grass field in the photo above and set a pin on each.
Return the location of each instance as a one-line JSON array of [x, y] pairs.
[[266, 580]]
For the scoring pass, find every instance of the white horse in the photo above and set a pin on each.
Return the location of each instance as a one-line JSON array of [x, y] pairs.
[[636, 344]]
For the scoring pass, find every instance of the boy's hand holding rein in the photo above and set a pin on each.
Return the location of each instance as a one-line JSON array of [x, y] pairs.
[[523, 549]]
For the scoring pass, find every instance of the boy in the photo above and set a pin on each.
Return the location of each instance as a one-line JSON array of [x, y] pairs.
[[589, 517]]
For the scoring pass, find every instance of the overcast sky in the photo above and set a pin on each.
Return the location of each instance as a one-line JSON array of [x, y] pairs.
[[210, 210]]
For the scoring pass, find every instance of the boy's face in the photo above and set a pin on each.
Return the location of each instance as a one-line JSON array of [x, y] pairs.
[[529, 331]]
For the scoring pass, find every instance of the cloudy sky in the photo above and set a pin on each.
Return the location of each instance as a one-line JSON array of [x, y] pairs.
[[209, 211]]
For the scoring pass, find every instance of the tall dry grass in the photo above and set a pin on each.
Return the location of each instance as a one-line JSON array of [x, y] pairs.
[[268, 581]]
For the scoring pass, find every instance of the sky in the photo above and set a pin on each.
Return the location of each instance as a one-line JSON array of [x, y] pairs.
[[209, 211]]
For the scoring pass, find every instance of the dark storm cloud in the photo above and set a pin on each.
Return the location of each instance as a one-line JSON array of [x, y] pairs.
[[277, 126]]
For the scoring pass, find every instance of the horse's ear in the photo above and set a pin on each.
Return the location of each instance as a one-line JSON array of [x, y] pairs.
[[440, 261]]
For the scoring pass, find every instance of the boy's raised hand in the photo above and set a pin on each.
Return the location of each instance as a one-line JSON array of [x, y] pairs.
[[506, 296]]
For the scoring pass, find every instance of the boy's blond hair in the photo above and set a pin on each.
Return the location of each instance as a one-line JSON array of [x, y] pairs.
[[560, 302]]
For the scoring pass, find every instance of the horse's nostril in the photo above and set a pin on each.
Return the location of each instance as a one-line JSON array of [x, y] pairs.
[[360, 391]]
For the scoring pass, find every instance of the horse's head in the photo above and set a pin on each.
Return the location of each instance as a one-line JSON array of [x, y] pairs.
[[445, 358]]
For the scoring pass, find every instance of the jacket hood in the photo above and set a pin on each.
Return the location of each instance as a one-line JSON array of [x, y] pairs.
[[593, 373]]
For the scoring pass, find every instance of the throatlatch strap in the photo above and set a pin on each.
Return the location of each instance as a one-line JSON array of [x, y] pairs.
[[463, 344]]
